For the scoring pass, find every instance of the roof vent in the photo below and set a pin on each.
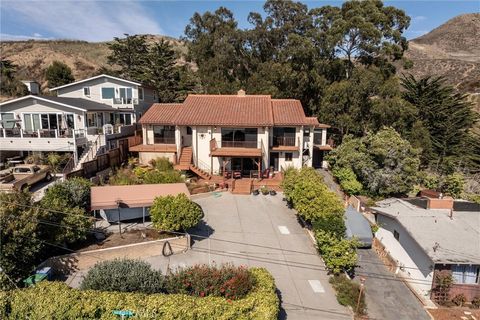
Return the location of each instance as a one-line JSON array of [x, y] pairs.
[[241, 93]]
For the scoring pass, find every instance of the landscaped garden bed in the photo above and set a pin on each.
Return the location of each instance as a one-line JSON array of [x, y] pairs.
[[199, 292]]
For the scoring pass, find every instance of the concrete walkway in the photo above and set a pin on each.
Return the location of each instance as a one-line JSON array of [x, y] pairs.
[[261, 231], [387, 297]]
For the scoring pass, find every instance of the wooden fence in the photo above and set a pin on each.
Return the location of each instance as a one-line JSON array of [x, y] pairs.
[[113, 158]]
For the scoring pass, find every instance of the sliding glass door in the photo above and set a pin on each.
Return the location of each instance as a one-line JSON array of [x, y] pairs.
[[239, 137]]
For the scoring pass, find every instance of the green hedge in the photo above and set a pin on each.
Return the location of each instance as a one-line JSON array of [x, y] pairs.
[[55, 300]]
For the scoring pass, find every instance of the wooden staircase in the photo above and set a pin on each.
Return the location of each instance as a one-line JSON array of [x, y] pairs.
[[242, 186], [185, 159], [185, 163], [201, 173]]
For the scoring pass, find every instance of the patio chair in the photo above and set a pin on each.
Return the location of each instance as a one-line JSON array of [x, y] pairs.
[[266, 174], [237, 175], [227, 174]]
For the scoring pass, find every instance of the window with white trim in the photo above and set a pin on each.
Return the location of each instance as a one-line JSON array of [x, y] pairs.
[[108, 93], [466, 274], [86, 91], [140, 94], [7, 120]]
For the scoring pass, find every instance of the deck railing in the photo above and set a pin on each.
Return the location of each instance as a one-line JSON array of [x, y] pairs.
[[163, 140], [21, 133], [239, 144], [283, 141]]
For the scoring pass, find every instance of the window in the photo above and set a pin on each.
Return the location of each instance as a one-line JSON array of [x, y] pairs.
[[164, 134], [44, 118], [126, 95], [140, 94], [8, 120], [288, 156], [108, 93], [48, 121], [189, 131], [52, 117], [466, 274], [396, 235], [91, 119], [283, 136], [123, 118], [86, 91], [239, 138]]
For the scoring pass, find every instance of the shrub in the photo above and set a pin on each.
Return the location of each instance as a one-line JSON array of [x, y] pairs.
[[73, 193], [175, 213], [348, 180], [161, 164], [202, 280], [459, 299], [124, 177], [334, 224], [308, 194], [443, 282], [476, 302], [261, 303], [124, 275], [348, 292], [339, 254], [453, 185]]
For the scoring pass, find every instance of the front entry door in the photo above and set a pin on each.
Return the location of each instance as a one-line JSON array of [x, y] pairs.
[[274, 160]]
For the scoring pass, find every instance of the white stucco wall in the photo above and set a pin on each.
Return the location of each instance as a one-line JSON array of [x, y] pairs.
[[146, 157], [416, 266]]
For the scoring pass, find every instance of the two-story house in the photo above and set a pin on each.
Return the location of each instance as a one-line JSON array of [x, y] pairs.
[[237, 133], [84, 118]]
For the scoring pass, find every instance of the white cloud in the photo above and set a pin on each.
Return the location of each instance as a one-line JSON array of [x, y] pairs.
[[20, 37], [85, 20], [419, 18]]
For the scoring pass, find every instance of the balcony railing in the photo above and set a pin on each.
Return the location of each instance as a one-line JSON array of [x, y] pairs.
[[239, 144], [20, 133], [163, 140], [283, 141], [125, 101]]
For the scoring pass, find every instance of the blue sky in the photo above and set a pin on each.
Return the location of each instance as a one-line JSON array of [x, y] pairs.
[[102, 20]]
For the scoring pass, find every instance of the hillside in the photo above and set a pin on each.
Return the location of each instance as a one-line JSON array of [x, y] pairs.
[[451, 50], [85, 58]]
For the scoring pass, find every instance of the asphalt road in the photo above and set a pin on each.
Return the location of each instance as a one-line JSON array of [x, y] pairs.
[[387, 297]]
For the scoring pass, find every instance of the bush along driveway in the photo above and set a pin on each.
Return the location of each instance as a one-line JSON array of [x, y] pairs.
[[261, 231]]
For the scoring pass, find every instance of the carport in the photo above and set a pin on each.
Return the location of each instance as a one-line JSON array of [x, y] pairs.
[[118, 203]]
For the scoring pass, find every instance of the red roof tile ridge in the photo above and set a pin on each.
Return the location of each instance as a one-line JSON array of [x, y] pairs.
[[229, 95]]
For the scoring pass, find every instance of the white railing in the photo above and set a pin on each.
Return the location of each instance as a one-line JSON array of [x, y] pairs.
[[125, 101], [55, 133]]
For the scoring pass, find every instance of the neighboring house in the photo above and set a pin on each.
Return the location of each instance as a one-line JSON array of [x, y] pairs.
[[242, 133], [130, 98], [426, 235], [32, 86], [114, 203], [57, 124]]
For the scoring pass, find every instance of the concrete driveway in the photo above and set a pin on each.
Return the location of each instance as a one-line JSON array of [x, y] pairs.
[[387, 297], [261, 231]]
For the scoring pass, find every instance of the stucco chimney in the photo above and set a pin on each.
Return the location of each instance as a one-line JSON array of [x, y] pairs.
[[241, 93]]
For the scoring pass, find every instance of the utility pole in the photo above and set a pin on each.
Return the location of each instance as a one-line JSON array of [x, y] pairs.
[[362, 285]]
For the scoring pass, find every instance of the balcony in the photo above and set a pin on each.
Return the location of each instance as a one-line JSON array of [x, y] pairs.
[[161, 144], [239, 144], [125, 101], [235, 149], [284, 143], [40, 140]]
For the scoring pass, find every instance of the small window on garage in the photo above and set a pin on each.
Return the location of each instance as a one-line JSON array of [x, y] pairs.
[[288, 156], [396, 235]]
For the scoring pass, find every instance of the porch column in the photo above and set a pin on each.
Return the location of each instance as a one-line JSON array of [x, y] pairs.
[[178, 141], [266, 156], [300, 147], [310, 147]]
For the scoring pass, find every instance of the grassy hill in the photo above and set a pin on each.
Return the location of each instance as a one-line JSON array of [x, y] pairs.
[[85, 58]]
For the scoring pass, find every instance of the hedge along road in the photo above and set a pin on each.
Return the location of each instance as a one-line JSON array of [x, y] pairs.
[[261, 231]]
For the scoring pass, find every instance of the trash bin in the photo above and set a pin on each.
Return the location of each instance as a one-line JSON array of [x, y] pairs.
[[46, 271], [32, 280]]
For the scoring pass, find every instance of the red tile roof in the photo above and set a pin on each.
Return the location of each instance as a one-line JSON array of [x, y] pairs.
[[229, 110], [226, 110], [288, 112], [161, 113]]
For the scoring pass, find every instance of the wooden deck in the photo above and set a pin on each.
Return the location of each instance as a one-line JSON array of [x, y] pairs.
[[154, 148], [285, 148], [272, 184]]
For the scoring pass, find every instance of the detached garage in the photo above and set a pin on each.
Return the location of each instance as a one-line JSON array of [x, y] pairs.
[[119, 203]]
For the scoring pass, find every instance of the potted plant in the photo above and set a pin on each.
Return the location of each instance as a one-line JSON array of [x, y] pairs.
[[256, 192], [273, 192], [264, 190]]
